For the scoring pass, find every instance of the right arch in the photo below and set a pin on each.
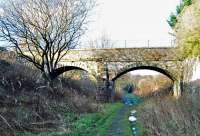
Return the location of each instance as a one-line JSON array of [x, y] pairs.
[[176, 81]]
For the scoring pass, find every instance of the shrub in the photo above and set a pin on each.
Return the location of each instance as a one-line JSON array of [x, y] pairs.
[[172, 21], [2, 49]]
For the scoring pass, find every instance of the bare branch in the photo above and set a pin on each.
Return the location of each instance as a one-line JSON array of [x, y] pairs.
[[42, 31]]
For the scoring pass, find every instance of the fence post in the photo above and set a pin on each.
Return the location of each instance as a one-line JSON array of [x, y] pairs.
[[148, 43]]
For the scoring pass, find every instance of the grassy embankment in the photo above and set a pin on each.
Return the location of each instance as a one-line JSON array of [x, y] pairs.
[[170, 117], [90, 124], [167, 116], [96, 124]]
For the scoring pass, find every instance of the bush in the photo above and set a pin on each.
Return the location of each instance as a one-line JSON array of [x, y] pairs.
[[187, 30], [2, 49], [172, 21]]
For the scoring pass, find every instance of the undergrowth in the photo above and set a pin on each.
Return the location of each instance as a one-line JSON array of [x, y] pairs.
[[168, 116], [29, 104]]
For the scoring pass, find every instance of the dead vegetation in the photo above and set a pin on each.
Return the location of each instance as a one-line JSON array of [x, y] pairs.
[[28, 103], [170, 117]]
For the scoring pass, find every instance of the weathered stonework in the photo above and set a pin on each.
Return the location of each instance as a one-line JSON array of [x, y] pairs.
[[191, 74], [116, 62]]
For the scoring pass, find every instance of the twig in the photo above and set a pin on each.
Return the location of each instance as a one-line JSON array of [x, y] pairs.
[[6, 122], [44, 123]]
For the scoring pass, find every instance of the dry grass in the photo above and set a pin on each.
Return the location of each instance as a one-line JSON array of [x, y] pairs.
[[167, 116], [28, 103]]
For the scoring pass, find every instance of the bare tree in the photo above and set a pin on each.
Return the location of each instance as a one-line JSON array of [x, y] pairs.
[[103, 42], [43, 31]]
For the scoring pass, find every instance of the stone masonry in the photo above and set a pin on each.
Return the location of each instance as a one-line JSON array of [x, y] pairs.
[[106, 65]]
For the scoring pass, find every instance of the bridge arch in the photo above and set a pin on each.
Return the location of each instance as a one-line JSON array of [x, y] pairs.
[[157, 69], [63, 69], [170, 69]]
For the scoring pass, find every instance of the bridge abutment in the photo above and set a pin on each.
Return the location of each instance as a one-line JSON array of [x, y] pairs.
[[105, 91], [177, 88]]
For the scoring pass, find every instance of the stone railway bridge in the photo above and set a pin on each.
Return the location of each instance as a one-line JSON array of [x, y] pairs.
[[106, 65]]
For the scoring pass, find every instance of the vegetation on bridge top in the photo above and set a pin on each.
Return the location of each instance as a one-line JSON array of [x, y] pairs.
[[173, 19], [187, 30]]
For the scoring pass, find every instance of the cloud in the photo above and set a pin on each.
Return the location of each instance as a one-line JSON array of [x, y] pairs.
[[1, 12]]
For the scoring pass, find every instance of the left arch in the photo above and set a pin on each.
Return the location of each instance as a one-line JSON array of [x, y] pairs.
[[63, 69]]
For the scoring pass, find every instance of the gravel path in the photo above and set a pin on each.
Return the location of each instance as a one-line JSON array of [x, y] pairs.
[[117, 126]]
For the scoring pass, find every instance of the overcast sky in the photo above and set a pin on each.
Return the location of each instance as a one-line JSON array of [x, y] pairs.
[[133, 20]]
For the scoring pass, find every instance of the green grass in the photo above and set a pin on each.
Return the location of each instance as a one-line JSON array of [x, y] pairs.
[[126, 124], [96, 124], [92, 124]]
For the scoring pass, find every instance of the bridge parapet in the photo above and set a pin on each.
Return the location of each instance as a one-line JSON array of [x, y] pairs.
[[106, 43], [123, 54]]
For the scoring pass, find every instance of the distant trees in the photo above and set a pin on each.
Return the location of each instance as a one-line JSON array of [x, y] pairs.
[[103, 42], [142, 85], [42, 31], [149, 85]]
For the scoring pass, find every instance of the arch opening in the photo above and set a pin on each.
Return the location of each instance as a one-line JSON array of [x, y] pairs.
[[162, 71], [78, 79], [61, 70], [153, 82]]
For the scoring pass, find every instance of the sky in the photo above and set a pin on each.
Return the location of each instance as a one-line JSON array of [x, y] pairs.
[[136, 21], [144, 72], [133, 20]]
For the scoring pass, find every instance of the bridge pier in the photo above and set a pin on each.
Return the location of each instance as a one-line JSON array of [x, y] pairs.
[[103, 94], [177, 88], [105, 91]]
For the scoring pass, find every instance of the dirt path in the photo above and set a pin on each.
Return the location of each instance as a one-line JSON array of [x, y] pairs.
[[116, 129]]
